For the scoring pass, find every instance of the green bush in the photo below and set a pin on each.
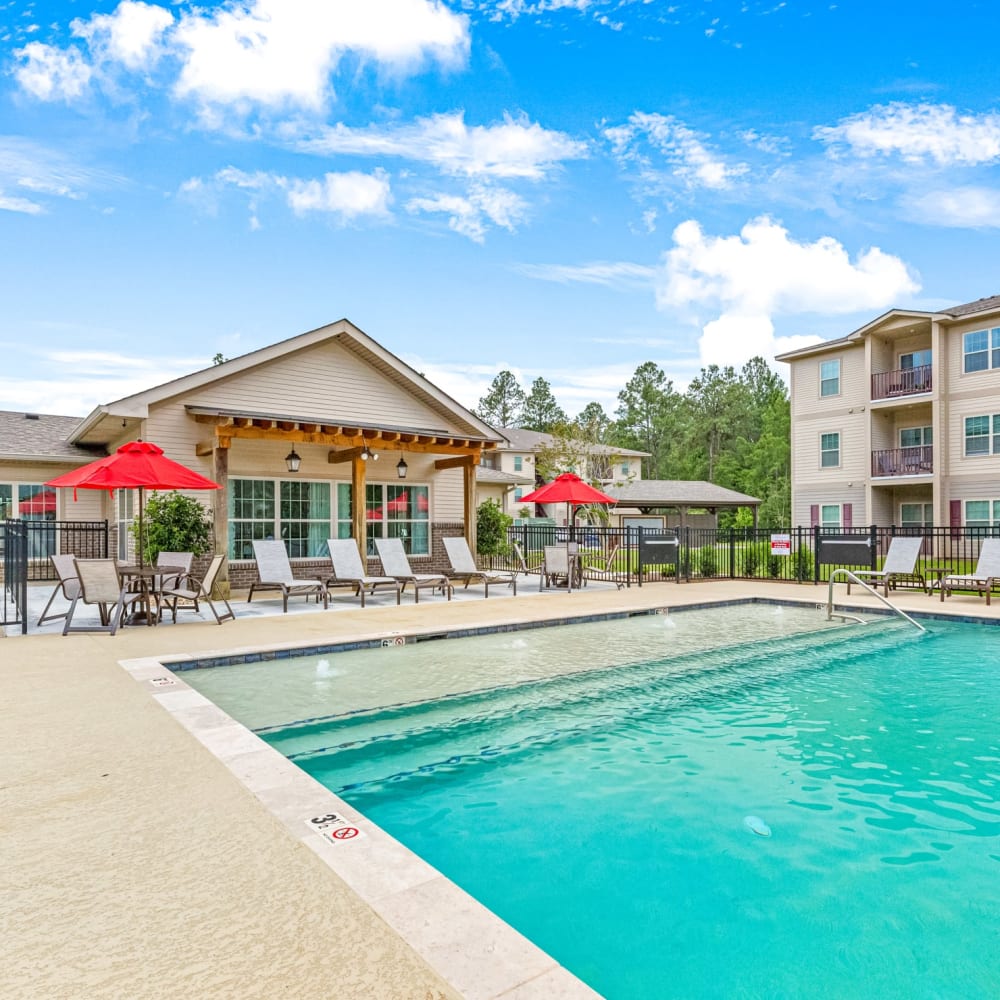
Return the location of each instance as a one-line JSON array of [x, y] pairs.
[[804, 563], [491, 529], [172, 522], [774, 567], [751, 559], [707, 560]]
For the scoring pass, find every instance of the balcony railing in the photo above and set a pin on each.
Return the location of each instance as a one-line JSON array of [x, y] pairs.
[[915, 461], [902, 382]]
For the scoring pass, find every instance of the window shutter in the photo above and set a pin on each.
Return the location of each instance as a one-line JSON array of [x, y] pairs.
[[813, 515], [955, 517], [847, 515]]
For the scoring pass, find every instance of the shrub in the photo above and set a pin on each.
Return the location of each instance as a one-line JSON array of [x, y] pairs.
[[803, 563], [491, 529], [706, 560], [774, 567], [751, 559], [172, 522]]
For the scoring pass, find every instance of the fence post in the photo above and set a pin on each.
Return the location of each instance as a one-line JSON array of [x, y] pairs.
[[816, 553], [732, 553], [873, 546]]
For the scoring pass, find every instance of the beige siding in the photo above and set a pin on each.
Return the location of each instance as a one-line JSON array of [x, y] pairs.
[[854, 383], [837, 494], [90, 505], [325, 382], [854, 457]]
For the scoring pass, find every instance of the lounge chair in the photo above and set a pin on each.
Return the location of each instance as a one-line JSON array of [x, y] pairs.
[[348, 569], [395, 563], [899, 566], [68, 586], [463, 567], [274, 572], [193, 591], [985, 577], [99, 584]]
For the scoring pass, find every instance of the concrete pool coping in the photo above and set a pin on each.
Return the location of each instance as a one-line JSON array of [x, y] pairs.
[[144, 863]]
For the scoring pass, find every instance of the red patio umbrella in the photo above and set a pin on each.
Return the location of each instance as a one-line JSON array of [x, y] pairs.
[[569, 489], [137, 465]]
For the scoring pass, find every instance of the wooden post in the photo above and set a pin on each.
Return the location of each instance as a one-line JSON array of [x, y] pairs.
[[220, 521], [359, 522], [469, 475]]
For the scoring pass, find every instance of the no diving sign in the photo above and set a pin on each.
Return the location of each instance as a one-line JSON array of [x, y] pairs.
[[334, 828]]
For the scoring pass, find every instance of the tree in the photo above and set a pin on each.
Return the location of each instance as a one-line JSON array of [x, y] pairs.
[[541, 412], [491, 528], [503, 404], [594, 423], [648, 413]]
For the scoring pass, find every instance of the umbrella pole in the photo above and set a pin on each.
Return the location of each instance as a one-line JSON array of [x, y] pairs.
[[142, 541]]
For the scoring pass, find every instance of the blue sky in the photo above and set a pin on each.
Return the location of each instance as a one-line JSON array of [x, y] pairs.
[[565, 188]]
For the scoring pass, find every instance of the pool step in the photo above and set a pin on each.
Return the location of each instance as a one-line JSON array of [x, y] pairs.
[[392, 743]]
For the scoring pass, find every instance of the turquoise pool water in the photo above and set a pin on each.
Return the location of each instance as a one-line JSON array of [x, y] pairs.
[[609, 814]]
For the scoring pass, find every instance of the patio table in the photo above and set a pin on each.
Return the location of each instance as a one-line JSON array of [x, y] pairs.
[[145, 579]]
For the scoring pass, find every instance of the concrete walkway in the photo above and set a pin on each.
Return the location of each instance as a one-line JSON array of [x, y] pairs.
[[137, 863]]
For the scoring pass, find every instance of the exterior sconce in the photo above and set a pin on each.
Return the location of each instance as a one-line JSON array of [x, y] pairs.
[[366, 455], [292, 460], [401, 468]]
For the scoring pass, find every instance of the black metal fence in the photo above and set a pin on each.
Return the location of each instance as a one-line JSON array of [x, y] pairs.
[[26, 546], [800, 555]]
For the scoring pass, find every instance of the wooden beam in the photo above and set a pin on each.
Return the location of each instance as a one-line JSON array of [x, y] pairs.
[[205, 448], [359, 522], [220, 515], [347, 455], [458, 461], [469, 482]]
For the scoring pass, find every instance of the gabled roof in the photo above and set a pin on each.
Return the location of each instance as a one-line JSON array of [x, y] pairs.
[[486, 475], [522, 439], [104, 422], [985, 305], [678, 493], [41, 437]]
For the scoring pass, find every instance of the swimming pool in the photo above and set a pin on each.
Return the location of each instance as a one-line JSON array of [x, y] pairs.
[[607, 812]]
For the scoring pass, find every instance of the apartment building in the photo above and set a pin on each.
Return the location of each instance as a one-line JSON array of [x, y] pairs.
[[899, 421]]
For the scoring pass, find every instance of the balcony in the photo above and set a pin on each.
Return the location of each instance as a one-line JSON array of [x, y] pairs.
[[902, 382], [916, 461]]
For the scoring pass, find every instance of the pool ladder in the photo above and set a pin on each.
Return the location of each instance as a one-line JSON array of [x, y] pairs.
[[848, 575]]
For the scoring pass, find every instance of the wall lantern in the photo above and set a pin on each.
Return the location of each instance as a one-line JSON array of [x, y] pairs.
[[401, 468], [292, 460]]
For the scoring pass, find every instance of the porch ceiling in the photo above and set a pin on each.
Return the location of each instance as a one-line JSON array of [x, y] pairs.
[[230, 424]]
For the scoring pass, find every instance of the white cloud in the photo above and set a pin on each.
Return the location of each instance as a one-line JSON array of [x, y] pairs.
[[961, 208], [469, 214], [130, 36], [278, 52], [918, 132], [749, 278], [15, 204], [52, 74], [613, 274], [44, 173], [347, 195], [683, 149], [513, 148]]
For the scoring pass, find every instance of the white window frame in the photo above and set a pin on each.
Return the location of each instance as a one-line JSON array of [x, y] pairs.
[[926, 437], [991, 350], [824, 451], [926, 519], [824, 379], [992, 520], [992, 435], [911, 355], [829, 523]]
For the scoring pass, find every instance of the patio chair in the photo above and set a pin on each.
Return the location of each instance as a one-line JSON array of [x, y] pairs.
[[395, 563], [985, 576], [603, 567], [274, 572], [555, 567], [193, 591], [349, 569], [463, 567], [181, 560], [899, 566], [99, 584], [68, 586]]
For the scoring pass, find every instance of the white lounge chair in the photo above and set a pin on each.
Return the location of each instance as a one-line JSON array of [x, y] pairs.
[[395, 563], [899, 566], [274, 572], [985, 576], [349, 569], [193, 591], [464, 568]]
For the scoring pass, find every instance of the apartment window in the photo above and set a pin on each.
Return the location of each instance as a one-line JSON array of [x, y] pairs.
[[518, 493], [981, 350], [518, 462], [982, 513], [978, 439], [915, 359], [915, 437], [395, 511], [625, 468], [829, 450], [829, 515], [298, 512], [916, 515], [829, 378]]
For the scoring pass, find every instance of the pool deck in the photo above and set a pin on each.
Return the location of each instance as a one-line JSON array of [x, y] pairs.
[[153, 853]]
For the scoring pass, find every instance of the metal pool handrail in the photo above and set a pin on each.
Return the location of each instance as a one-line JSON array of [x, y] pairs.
[[848, 575]]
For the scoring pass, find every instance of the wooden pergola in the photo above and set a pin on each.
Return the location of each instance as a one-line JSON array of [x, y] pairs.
[[347, 442]]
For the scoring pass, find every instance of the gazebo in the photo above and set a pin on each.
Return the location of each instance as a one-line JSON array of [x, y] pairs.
[[653, 495]]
